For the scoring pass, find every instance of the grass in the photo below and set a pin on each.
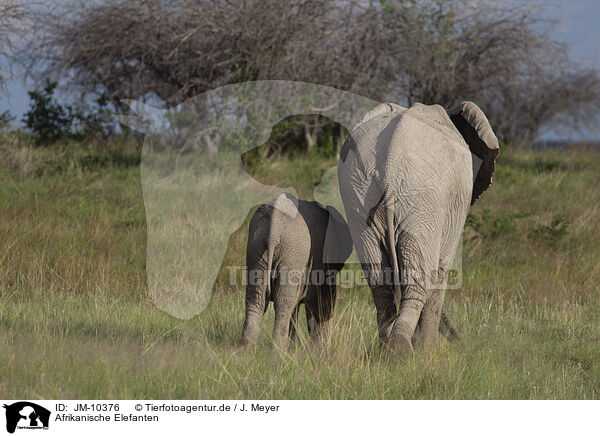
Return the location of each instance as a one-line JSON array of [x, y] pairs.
[[76, 319]]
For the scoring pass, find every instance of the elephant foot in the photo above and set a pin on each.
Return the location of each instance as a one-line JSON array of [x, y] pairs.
[[249, 337], [319, 339], [400, 340], [251, 330], [400, 346], [319, 345], [245, 343], [426, 334], [280, 344]]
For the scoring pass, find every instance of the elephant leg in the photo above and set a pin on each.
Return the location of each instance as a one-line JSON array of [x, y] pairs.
[[311, 323], [293, 323], [447, 327], [426, 333], [285, 302], [374, 262], [283, 318], [321, 308], [404, 327], [383, 296], [256, 305], [418, 266], [448, 252], [317, 327], [251, 326], [388, 323]]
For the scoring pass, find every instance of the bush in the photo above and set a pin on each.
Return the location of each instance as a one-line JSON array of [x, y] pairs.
[[48, 119], [5, 119], [51, 121]]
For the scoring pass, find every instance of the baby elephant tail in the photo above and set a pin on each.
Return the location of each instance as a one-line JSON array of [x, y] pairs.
[[275, 223], [269, 268]]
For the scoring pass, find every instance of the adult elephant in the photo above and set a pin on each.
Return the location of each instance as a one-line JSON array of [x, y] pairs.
[[407, 178]]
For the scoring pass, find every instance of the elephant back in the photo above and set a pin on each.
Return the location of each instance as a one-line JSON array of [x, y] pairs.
[[435, 117], [382, 109], [413, 157], [421, 157]]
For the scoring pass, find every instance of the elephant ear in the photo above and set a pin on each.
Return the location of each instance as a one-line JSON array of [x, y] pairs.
[[338, 240], [475, 128]]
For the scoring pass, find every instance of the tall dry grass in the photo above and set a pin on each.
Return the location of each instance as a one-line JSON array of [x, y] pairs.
[[76, 319]]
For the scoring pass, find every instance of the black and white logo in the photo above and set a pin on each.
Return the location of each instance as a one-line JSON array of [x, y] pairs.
[[26, 415]]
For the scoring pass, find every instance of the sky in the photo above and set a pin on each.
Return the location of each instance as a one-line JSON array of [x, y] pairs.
[[577, 26]]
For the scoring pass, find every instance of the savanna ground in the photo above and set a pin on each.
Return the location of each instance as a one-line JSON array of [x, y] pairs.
[[76, 320]]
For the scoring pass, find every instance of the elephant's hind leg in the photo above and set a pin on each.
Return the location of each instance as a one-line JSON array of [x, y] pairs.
[[404, 327], [293, 325], [251, 329], [383, 296], [321, 309], [256, 299], [281, 336], [426, 334], [417, 265], [447, 327], [285, 301]]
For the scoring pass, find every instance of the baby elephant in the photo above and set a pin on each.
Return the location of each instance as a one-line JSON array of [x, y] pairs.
[[295, 250]]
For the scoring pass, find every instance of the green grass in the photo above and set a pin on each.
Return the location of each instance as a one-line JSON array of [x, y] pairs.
[[76, 320]]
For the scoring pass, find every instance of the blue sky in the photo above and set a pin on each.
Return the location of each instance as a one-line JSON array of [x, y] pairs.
[[577, 25]]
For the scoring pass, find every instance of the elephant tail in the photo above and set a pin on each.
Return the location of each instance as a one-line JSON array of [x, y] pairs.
[[269, 267], [392, 251], [272, 239]]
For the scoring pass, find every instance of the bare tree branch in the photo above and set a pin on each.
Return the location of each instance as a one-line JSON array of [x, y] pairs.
[[432, 51]]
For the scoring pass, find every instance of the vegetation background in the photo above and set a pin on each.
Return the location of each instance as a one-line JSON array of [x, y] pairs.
[[75, 317]]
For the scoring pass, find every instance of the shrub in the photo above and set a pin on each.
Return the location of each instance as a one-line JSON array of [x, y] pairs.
[[51, 121], [5, 119], [48, 119]]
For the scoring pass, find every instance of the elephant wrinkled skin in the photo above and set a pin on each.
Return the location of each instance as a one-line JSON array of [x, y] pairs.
[[406, 178], [295, 250]]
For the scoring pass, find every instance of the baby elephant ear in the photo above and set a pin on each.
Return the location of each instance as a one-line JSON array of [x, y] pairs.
[[338, 241], [475, 128]]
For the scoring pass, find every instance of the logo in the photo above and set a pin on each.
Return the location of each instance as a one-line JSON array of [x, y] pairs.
[[26, 415]]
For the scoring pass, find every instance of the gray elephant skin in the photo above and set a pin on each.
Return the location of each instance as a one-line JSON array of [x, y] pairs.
[[295, 250], [407, 178]]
